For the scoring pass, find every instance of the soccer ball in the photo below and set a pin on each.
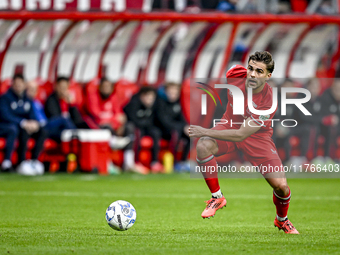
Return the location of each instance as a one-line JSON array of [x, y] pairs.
[[121, 215]]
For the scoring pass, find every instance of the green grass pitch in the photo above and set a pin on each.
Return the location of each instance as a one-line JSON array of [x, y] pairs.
[[65, 214]]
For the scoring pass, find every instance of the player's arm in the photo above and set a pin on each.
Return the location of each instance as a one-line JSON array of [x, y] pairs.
[[234, 135]]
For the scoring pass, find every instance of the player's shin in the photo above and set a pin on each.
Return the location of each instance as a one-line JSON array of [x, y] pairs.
[[208, 167], [282, 205]]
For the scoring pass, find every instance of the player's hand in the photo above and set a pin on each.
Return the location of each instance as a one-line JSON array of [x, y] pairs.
[[196, 131], [28, 127], [35, 126], [186, 130], [25, 124], [122, 118], [31, 126], [66, 95]]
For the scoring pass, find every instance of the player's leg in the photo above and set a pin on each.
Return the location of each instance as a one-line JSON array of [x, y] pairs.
[[281, 191], [206, 149], [22, 147], [10, 132], [156, 134], [281, 194]]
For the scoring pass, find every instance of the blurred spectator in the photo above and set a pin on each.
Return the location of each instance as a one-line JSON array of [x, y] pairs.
[[210, 4], [281, 134], [299, 5], [141, 111], [55, 125], [106, 111], [308, 125], [227, 6], [169, 113], [177, 5], [17, 120], [330, 112], [327, 8], [59, 104]]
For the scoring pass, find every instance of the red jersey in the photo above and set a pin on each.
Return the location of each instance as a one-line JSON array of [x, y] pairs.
[[261, 101], [104, 111]]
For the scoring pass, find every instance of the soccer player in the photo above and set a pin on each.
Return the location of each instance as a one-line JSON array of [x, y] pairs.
[[252, 138]]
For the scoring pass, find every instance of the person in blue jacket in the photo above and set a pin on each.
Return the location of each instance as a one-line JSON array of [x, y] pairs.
[[53, 126], [18, 120]]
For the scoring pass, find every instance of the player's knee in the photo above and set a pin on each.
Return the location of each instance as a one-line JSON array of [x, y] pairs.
[[206, 147], [282, 189]]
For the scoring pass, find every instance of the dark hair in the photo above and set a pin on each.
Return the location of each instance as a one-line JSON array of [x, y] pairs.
[[102, 80], [264, 57], [146, 89], [172, 84], [62, 78], [18, 76]]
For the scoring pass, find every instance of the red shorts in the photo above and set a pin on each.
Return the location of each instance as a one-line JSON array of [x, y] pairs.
[[257, 149]]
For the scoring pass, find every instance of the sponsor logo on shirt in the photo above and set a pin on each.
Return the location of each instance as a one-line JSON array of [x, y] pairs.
[[264, 117]]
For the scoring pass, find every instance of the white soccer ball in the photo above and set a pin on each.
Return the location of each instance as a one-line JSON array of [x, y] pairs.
[[121, 215]]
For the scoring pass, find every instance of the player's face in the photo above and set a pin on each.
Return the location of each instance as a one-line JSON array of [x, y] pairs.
[[314, 88], [32, 89], [62, 88], [257, 75], [148, 99], [18, 86], [106, 88], [336, 90], [173, 93]]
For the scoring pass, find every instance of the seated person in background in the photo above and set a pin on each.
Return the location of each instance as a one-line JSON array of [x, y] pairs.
[[307, 128], [105, 109], [17, 116], [55, 125], [59, 104], [141, 111], [330, 125], [170, 116], [281, 134]]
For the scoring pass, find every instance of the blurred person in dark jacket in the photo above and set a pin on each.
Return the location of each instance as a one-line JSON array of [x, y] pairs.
[[281, 134], [60, 104], [173, 123], [330, 124], [141, 111], [17, 114], [307, 128]]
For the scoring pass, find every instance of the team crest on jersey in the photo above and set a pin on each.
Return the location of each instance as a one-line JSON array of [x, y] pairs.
[[14, 105], [264, 117], [27, 106]]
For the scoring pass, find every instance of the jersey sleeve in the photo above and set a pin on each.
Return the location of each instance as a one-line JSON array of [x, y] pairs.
[[236, 71]]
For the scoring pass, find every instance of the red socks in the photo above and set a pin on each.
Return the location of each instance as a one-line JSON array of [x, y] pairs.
[[208, 167], [282, 204]]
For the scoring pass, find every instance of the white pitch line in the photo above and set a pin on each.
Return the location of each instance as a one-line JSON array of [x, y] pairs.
[[152, 195]]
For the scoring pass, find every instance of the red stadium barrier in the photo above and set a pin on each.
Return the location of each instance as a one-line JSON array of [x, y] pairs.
[[216, 17]]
